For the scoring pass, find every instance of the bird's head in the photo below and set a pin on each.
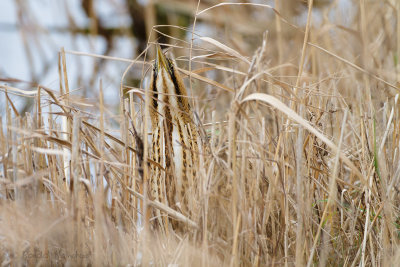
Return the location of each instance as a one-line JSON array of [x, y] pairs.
[[163, 63]]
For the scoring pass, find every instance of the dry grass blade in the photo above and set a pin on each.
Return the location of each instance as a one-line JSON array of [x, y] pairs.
[[171, 212], [227, 49], [355, 66], [230, 4], [246, 4], [295, 117], [17, 91], [206, 80]]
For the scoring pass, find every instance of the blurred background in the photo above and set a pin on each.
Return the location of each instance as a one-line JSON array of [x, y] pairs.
[[33, 33]]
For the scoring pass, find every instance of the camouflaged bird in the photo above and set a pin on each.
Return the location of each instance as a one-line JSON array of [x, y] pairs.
[[174, 140]]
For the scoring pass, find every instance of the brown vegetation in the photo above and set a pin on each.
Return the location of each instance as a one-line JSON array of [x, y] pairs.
[[300, 129]]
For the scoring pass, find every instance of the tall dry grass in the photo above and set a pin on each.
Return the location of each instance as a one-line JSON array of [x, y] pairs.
[[300, 161]]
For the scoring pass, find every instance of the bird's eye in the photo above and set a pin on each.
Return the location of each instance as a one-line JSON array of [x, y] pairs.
[[155, 70], [171, 66]]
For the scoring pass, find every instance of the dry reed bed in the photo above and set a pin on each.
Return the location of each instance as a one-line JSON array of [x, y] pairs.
[[299, 165]]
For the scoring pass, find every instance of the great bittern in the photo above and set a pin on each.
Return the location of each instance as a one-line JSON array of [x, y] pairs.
[[174, 139]]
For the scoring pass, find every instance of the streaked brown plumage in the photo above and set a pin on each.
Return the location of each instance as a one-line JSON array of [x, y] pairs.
[[174, 139]]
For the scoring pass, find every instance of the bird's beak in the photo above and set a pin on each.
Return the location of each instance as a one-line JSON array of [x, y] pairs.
[[161, 61]]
